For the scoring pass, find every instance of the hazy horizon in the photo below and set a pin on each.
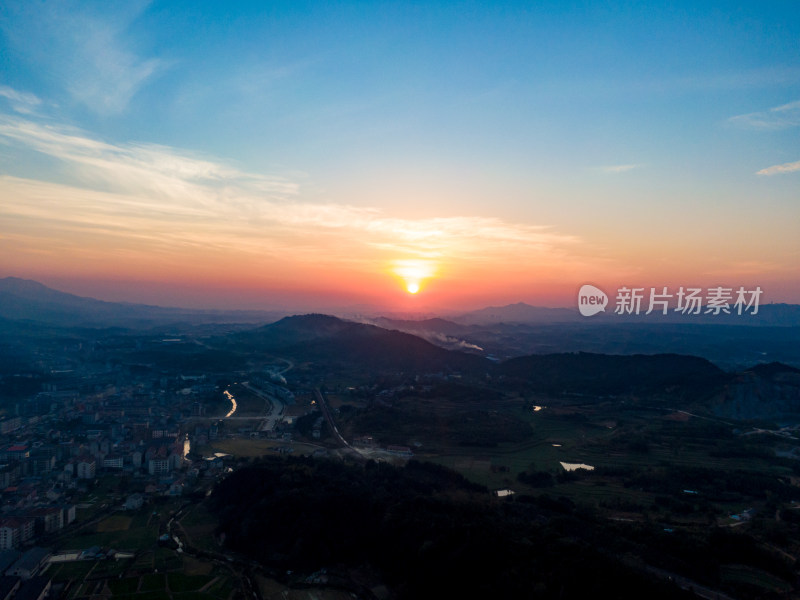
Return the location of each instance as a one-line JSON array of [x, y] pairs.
[[270, 302]]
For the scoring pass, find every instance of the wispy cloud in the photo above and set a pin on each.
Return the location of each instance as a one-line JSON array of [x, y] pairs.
[[780, 169], [154, 197], [618, 168], [774, 119], [21, 102], [90, 53], [151, 169]]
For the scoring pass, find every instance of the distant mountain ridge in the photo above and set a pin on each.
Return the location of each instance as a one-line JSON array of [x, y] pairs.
[[497, 332], [24, 299], [441, 332], [518, 313], [773, 315], [436, 324], [31, 300]]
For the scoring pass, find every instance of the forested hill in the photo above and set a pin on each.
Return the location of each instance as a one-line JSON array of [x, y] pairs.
[[426, 532], [605, 374], [322, 338]]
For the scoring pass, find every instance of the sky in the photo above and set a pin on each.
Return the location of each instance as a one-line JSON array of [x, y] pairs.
[[323, 154]]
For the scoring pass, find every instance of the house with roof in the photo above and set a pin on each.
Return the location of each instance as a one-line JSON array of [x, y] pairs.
[[30, 563], [48, 519], [133, 502], [17, 452], [9, 534], [159, 466], [86, 467], [70, 513], [400, 450], [15, 531], [176, 487], [113, 462], [9, 474]]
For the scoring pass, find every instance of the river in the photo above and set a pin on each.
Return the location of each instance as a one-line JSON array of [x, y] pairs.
[[233, 403]]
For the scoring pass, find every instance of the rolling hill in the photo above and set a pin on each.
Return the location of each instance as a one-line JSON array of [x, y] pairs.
[[24, 299], [325, 338], [603, 374]]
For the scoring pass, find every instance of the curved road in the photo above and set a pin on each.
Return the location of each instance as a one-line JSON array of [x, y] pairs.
[[326, 412]]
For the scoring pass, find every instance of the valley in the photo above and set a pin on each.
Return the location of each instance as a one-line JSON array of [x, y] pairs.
[[152, 444]]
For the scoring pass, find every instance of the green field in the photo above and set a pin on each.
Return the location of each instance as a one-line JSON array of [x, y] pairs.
[[247, 448], [631, 443], [70, 570], [121, 532], [89, 578], [198, 525]]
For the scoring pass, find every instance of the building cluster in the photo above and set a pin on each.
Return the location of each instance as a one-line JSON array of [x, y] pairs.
[[57, 443]]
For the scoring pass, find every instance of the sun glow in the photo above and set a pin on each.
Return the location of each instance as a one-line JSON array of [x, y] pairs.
[[413, 273]]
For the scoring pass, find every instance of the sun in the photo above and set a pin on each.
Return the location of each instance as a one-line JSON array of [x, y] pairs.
[[413, 273]]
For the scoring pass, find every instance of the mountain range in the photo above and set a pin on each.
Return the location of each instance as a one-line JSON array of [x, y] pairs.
[[27, 299], [730, 341], [571, 358], [24, 299]]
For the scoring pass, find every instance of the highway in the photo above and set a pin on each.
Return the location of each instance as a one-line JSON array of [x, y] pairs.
[[326, 412], [323, 406], [273, 407]]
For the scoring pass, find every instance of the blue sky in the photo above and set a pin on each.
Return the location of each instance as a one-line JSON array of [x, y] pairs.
[[625, 141]]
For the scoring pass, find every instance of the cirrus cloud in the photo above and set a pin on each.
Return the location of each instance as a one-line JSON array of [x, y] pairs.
[[780, 169], [774, 119], [21, 102], [618, 168], [155, 199], [87, 50]]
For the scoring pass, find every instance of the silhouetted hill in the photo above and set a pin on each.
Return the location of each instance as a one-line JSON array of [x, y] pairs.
[[585, 373], [440, 332], [435, 325], [303, 328], [518, 313], [768, 315], [772, 369], [23, 299], [330, 339], [770, 391]]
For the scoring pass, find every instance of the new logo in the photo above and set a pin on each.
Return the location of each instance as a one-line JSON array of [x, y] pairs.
[[591, 300]]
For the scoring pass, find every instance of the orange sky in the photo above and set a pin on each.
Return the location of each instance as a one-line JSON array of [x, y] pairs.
[[164, 230]]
